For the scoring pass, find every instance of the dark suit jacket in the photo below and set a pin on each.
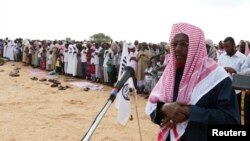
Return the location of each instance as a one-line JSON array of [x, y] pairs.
[[218, 106]]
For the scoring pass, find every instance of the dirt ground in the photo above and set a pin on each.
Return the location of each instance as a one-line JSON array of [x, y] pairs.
[[33, 111]]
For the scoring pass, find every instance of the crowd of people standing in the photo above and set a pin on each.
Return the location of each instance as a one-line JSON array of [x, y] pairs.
[[100, 62]]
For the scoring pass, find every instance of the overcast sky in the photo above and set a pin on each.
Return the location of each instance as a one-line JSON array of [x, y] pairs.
[[145, 20]]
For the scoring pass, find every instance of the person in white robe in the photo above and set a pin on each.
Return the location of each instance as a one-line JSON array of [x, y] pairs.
[[11, 51], [65, 59], [70, 60], [15, 51], [5, 49], [96, 62], [245, 69], [74, 61], [105, 66], [8, 49]]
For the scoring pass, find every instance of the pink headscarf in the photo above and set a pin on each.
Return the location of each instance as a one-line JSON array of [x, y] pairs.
[[197, 67]]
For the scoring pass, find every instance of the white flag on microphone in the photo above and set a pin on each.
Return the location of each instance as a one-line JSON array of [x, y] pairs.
[[123, 98]]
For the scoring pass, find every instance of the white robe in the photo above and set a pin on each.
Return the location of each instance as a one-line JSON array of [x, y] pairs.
[[8, 50], [12, 49], [65, 60], [74, 61], [70, 59], [5, 51]]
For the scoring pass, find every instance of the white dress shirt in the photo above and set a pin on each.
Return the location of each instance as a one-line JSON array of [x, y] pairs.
[[236, 61]]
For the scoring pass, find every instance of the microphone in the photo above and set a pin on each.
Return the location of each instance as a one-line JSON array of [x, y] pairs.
[[127, 73]]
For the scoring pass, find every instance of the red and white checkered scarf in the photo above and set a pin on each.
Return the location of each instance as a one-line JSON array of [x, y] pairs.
[[198, 66]]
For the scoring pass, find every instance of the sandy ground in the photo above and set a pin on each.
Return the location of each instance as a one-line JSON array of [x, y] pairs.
[[33, 111]]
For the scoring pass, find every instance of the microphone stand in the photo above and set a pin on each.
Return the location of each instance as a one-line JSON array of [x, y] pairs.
[[128, 72], [100, 115]]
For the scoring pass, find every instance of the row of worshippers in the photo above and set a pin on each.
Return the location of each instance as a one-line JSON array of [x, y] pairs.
[[89, 60], [11, 49], [93, 61]]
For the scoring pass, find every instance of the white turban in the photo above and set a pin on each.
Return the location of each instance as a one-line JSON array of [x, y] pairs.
[[132, 46]]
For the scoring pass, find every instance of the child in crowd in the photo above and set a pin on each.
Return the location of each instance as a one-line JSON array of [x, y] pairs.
[[62, 62], [58, 65], [148, 79], [154, 67]]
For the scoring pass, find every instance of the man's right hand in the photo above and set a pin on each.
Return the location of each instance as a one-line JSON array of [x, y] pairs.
[[230, 70], [173, 113]]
